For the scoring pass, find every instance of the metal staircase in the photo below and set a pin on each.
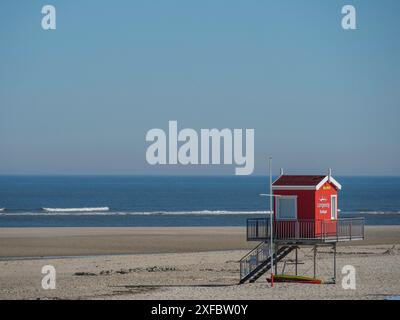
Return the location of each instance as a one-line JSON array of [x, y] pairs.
[[258, 261]]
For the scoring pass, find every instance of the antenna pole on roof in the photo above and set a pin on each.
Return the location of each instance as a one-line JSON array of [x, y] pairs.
[[271, 211]]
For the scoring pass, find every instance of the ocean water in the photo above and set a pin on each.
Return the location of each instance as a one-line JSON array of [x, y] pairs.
[[33, 201]]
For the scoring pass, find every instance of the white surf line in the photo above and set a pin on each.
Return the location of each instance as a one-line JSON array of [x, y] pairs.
[[96, 209]]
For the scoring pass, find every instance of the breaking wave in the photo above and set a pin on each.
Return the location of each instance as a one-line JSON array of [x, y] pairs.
[[363, 212], [66, 210]]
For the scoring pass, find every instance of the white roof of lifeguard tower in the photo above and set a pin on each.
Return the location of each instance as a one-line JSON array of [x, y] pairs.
[[303, 182]]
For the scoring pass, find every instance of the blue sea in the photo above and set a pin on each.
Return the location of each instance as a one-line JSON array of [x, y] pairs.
[[118, 201]]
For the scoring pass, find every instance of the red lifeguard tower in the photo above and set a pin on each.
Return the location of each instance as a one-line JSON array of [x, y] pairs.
[[305, 207], [305, 213]]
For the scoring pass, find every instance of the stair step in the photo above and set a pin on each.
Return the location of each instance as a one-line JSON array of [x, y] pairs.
[[266, 265]]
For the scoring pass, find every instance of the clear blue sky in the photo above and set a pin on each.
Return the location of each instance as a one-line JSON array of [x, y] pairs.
[[80, 99]]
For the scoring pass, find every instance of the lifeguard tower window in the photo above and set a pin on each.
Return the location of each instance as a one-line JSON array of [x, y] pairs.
[[333, 207], [286, 208]]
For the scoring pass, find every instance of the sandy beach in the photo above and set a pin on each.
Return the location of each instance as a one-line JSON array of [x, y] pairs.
[[179, 263]]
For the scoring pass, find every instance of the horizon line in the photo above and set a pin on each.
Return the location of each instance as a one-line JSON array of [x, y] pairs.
[[174, 175]]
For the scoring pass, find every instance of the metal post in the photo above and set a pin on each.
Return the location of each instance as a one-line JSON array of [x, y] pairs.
[[334, 262], [295, 265], [271, 222], [256, 229], [350, 229], [322, 230], [315, 257], [276, 260], [363, 230]]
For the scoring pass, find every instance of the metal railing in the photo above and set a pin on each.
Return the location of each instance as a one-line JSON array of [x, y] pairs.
[[253, 259], [352, 228], [258, 229]]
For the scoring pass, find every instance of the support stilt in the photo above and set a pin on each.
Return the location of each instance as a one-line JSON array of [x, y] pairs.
[[334, 262], [315, 261]]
